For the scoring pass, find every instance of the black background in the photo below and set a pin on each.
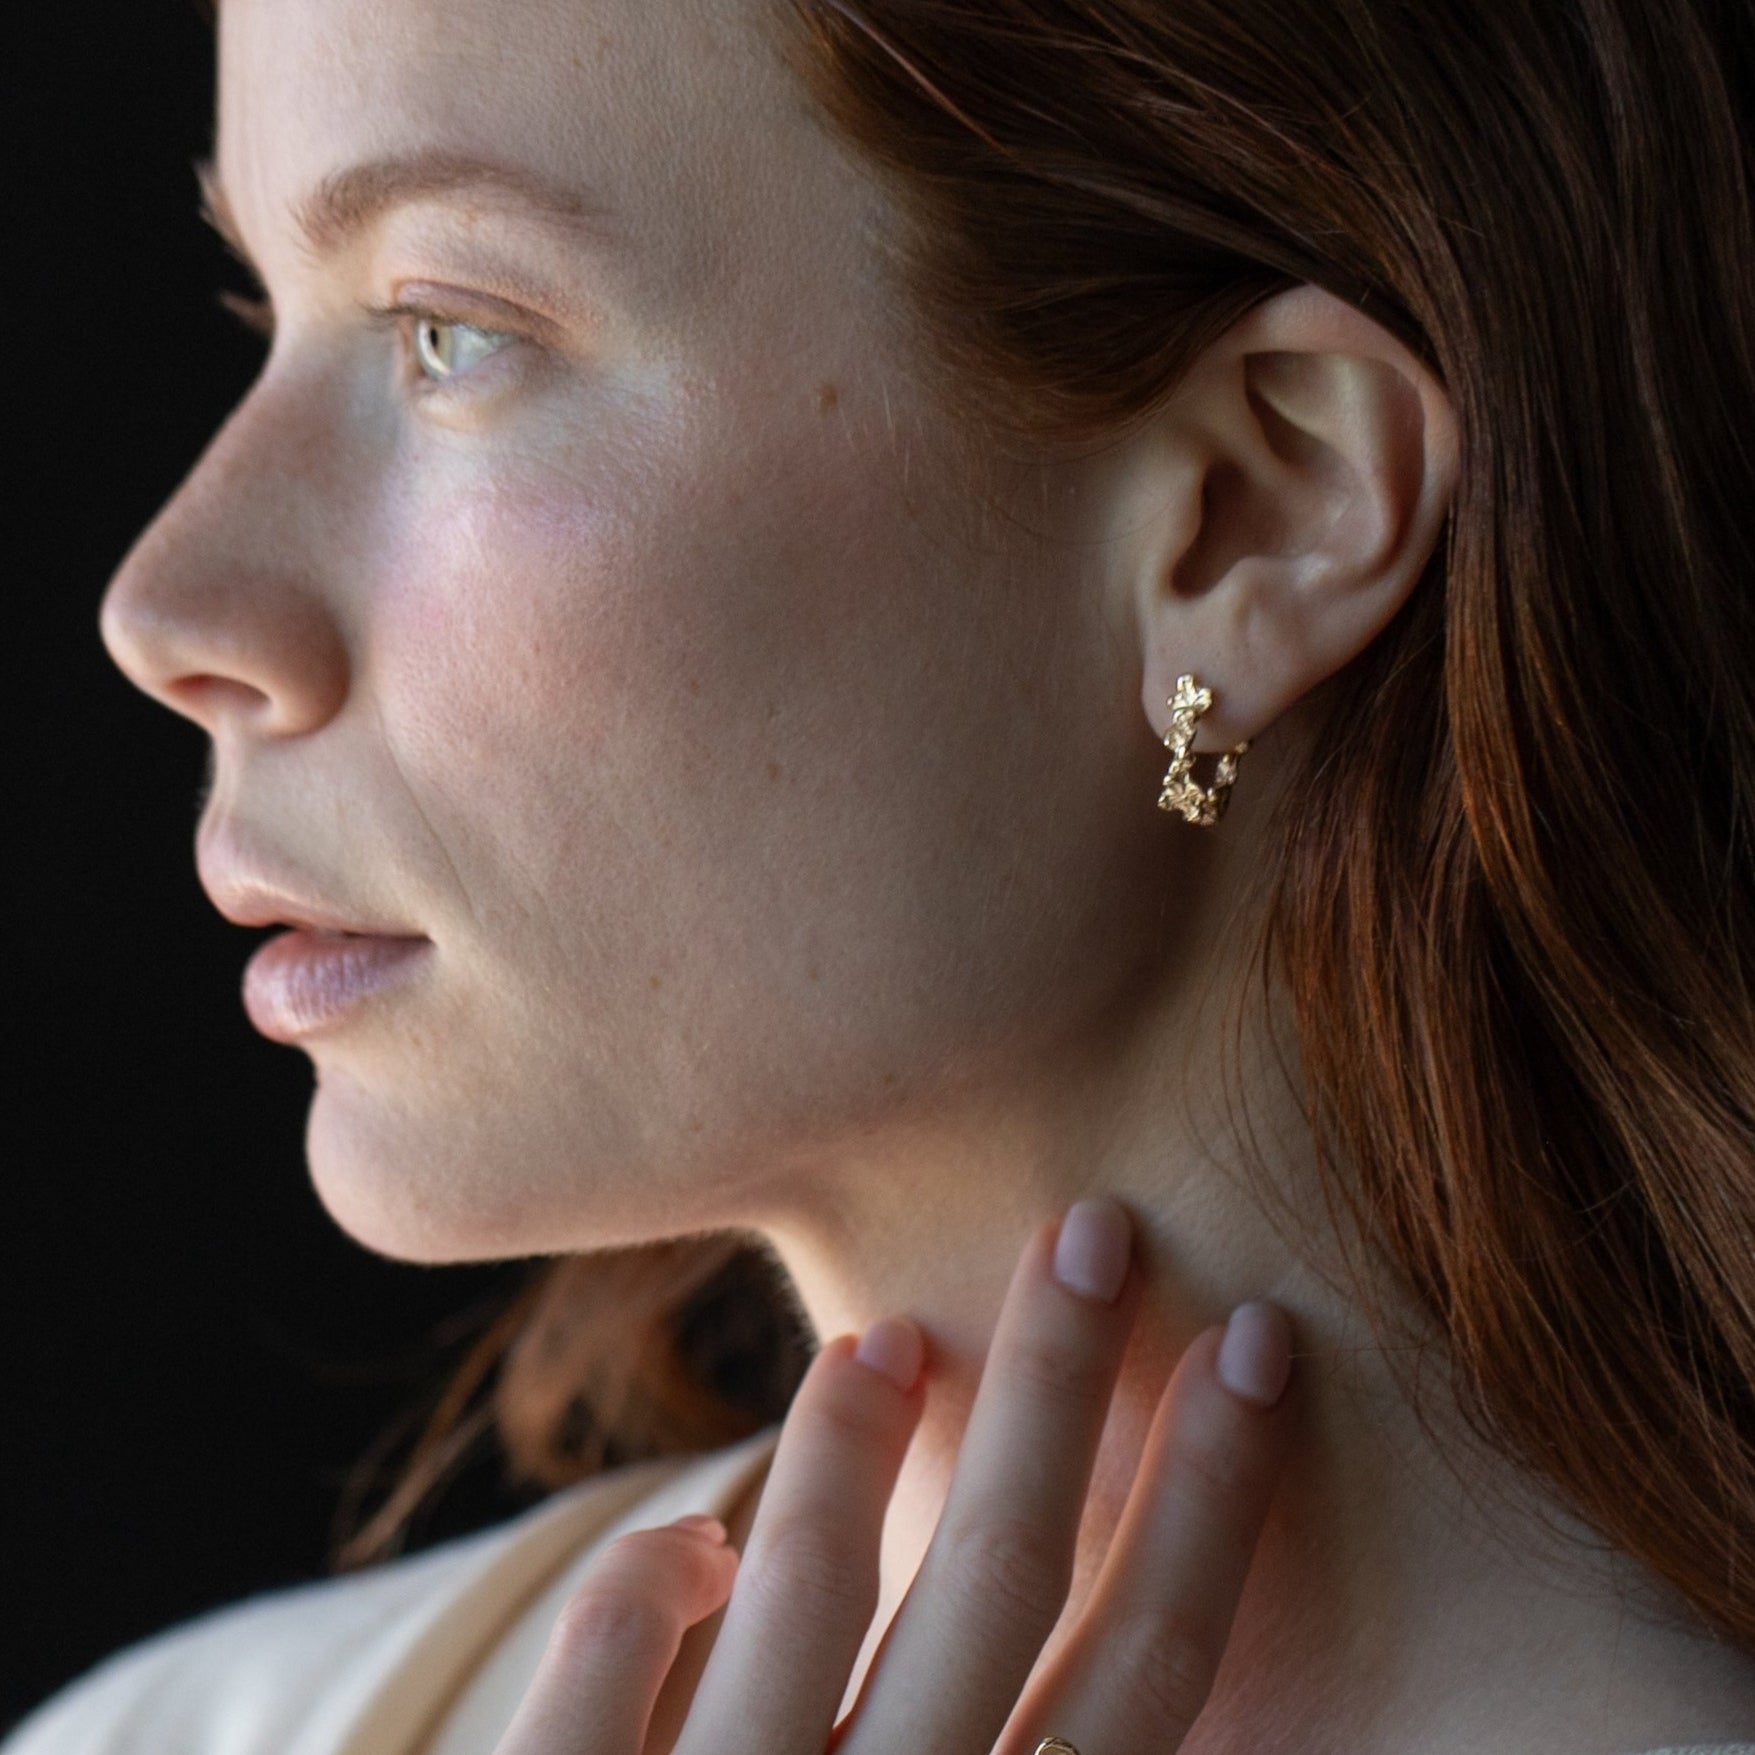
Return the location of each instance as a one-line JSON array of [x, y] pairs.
[[195, 1353]]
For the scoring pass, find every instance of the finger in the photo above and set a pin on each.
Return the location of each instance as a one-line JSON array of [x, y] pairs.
[[1140, 1666], [808, 1583], [996, 1573], [615, 1639]]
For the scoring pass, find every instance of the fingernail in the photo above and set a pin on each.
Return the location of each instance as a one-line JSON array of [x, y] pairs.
[[893, 1347], [698, 1521], [1091, 1253], [1255, 1357]]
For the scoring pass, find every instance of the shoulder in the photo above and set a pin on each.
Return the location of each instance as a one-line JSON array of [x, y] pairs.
[[312, 1669], [238, 1677]]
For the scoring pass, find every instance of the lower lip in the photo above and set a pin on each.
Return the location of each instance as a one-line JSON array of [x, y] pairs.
[[302, 982]]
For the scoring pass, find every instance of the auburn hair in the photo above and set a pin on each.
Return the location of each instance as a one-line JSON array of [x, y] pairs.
[[1514, 906]]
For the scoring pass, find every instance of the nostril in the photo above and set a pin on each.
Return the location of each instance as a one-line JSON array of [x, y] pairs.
[[208, 698]]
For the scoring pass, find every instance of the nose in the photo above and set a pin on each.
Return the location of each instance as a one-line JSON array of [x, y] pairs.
[[221, 609]]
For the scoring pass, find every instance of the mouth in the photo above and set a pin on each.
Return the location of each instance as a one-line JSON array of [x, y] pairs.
[[292, 923], [246, 899], [308, 980], [329, 961], [251, 905]]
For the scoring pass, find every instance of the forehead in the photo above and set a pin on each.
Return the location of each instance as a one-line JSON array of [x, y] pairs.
[[677, 117]]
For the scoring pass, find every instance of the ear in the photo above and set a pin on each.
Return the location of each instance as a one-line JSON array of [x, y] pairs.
[[1284, 505]]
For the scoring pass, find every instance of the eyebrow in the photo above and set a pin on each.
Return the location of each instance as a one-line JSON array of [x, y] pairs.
[[346, 202]]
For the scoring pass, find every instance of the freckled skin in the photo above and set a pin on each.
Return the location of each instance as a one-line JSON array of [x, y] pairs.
[[765, 759], [666, 675]]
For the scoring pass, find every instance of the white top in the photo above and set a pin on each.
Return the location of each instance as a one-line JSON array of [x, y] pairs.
[[426, 1654]]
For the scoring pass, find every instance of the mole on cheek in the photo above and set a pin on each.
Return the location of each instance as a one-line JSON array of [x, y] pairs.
[[827, 397]]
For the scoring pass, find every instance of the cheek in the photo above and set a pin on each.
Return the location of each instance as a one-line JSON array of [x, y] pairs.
[[642, 673], [718, 761], [598, 706], [491, 598], [519, 628]]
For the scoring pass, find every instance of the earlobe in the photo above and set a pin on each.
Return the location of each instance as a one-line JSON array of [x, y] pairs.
[[1317, 459]]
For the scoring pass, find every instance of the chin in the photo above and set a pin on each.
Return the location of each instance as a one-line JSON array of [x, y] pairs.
[[438, 1188], [405, 1191]]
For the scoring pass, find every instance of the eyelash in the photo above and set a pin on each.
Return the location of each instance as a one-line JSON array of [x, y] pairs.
[[257, 314]]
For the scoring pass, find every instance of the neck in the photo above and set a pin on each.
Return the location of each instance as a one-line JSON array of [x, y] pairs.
[[1413, 1591]]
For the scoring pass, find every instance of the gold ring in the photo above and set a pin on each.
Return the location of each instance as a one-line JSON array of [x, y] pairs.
[[1055, 1746]]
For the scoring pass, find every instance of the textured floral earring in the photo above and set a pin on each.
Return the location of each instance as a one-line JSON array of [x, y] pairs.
[[1200, 805]]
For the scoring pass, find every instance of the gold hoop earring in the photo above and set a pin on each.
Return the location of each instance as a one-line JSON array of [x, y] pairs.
[[1200, 805]]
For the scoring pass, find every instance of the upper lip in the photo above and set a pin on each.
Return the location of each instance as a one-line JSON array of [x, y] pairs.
[[250, 895]]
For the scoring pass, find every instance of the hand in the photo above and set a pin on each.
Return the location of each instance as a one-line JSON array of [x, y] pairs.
[[958, 1667]]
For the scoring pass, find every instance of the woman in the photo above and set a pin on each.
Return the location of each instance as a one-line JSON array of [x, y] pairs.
[[740, 499]]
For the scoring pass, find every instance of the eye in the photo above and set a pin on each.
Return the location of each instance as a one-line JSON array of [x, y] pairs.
[[444, 349]]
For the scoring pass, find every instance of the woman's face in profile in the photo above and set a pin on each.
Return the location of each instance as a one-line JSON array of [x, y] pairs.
[[758, 756]]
